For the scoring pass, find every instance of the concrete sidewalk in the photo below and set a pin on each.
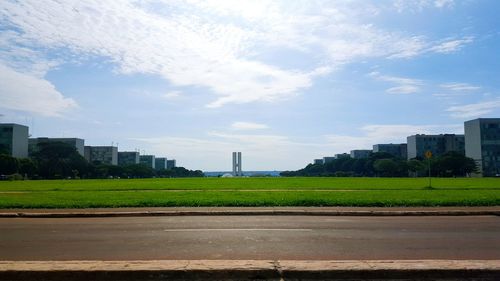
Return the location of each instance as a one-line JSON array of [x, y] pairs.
[[485, 270], [253, 211]]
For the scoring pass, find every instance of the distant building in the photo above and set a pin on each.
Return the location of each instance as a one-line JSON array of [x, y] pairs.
[[148, 160], [342, 155], [14, 140], [160, 163], [398, 150], [328, 159], [437, 144], [237, 172], [77, 143], [171, 164], [101, 154], [482, 143], [360, 153], [128, 158], [318, 162]]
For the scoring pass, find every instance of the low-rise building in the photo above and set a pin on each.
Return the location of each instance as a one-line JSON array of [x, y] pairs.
[[148, 160], [398, 150], [14, 140], [77, 143], [342, 155], [171, 164], [318, 162], [360, 153], [101, 154], [160, 163], [437, 144], [482, 143], [128, 158], [328, 159]]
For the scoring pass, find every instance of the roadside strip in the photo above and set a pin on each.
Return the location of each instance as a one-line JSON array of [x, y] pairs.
[[251, 270], [250, 212]]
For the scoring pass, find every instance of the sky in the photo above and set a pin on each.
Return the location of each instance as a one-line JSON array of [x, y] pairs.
[[283, 82]]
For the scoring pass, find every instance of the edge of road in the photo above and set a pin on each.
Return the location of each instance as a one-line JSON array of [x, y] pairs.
[[250, 211], [252, 270]]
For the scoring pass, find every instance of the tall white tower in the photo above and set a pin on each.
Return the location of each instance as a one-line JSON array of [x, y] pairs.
[[237, 164]]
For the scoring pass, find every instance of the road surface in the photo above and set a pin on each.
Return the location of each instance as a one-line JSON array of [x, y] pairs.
[[250, 237]]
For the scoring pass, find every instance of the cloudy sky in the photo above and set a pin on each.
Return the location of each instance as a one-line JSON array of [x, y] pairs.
[[282, 81]]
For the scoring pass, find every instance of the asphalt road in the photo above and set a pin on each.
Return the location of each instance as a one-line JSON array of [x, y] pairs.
[[250, 237]]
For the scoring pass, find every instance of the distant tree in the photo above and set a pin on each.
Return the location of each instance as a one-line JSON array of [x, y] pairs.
[[453, 164], [27, 167], [8, 164], [385, 167], [359, 167], [416, 167], [58, 160], [180, 172]]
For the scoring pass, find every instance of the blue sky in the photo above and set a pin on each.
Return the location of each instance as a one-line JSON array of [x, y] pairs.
[[282, 81]]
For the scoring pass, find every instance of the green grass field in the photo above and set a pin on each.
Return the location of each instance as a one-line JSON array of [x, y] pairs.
[[250, 192]]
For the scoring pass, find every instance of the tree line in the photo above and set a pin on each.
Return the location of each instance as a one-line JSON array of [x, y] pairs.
[[57, 160], [381, 164]]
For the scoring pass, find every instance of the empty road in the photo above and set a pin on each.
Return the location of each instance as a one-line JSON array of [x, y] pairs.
[[250, 237]]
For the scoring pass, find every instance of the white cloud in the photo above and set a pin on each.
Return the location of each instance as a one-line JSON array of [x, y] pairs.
[[213, 151], [26, 92], [459, 87], [213, 44], [267, 151], [419, 5], [474, 109], [375, 134], [172, 95], [404, 89], [405, 85], [248, 126], [451, 46]]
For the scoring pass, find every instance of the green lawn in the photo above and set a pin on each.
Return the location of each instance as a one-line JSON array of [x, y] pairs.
[[250, 192]]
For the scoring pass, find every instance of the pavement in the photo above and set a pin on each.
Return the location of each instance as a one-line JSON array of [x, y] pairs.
[[278, 243], [252, 270], [251, 237], [254, 211]]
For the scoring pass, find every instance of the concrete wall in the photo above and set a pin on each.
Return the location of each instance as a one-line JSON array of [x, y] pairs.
[[20, 141], [473, 142]]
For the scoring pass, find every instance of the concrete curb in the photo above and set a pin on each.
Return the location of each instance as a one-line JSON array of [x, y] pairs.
[[251, 270], [83, 214]]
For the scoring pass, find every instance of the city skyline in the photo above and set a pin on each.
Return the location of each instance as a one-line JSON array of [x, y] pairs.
[[283, 82]]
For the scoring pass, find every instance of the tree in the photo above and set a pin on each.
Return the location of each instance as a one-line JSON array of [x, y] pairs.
[[8, 164], [59, 160], [416, 167], [386, 167], [27, 167], [453, 164]]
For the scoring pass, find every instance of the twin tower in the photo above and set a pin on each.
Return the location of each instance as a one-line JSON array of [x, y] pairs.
[[237, 164]]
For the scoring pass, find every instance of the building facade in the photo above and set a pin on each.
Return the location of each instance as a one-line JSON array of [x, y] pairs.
[[237, 172], [398, 150], [437, 144], [77, 143], [14, 140], [360, 153], [482, 143], [160, 163], [171, 164], [148, 160], [318, 162], [128, 158], [101, 154], [328, 159], [342, 155]]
